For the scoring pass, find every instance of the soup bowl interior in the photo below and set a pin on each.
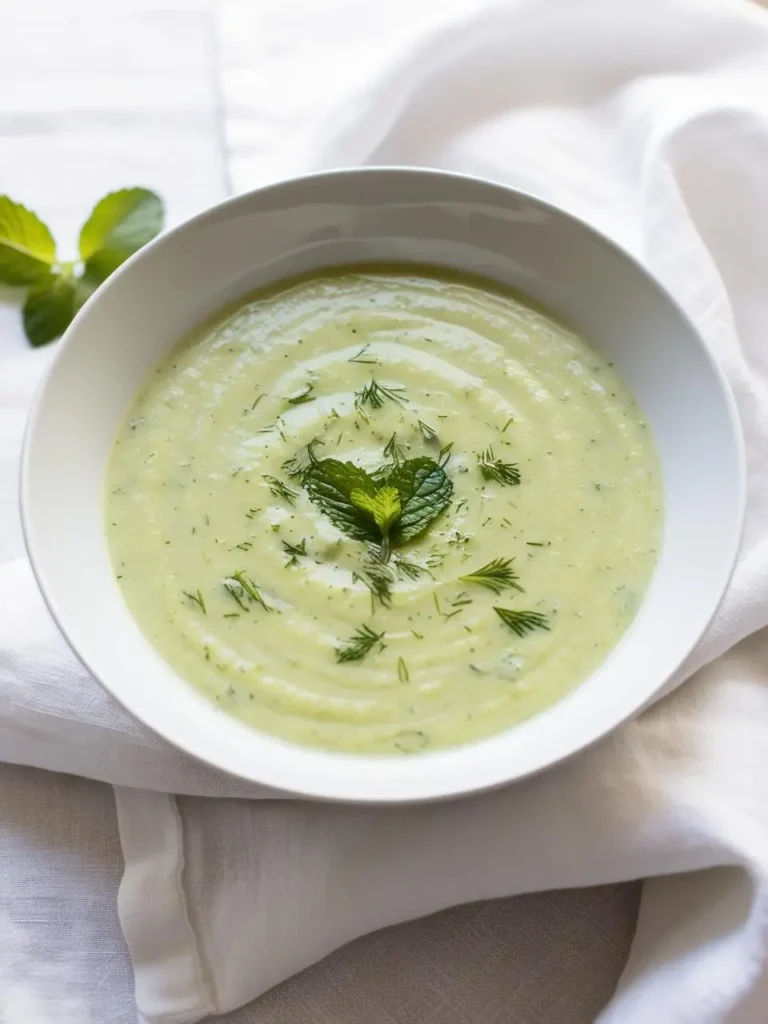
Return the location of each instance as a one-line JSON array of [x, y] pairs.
[[392, 215]]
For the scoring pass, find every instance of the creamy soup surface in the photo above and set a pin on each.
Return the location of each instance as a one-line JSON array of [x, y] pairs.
[[535, 465]]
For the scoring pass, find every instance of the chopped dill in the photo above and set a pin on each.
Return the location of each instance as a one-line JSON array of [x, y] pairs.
[[302, 396], [522, 622], [445, 454], [240, 588], [360, 644], [236, 592], [197, 597], [280, 490], [427, 432], [302, 461], [409, 570], [378, 579], [496, 576], [295, 551], [375, 394], [445, 615], [494, 469], [402, 671], [394, 451], [358, 358]]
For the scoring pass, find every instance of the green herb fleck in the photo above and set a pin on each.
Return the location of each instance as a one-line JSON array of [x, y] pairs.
[[280, 490], [494, 469], [409, 570], [427, 432], [394, 451], [299, 463], [496, 576], [375, 394], [445, 615], [197, 597], [378, 579], [360, 644], [522, 622], [402, 671], [411, 742], [445, 454], [236, 592], [302, 396], [295, 551], [240, 588], [359, 357]]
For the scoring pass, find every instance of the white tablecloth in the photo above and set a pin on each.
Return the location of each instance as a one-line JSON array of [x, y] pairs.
[[193, 98]]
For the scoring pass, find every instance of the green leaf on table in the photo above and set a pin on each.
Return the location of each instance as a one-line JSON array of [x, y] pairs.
[[425, 491], [49, 308], [119, 225], [27, 248]]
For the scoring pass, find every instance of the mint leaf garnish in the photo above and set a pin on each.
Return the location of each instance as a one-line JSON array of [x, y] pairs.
[[390, 506], [425, 491], [118, 226], [49, 308], [27, 248], [383, 506], [329, 484]]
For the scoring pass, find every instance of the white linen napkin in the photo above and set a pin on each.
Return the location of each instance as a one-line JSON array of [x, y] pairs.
[[652, 122]]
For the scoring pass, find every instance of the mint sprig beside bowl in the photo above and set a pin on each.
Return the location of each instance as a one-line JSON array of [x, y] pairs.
[[117, 227]]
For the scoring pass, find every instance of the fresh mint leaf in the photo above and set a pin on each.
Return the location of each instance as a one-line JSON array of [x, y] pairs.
[[27, 248], [49, 308], [329, 484], [425, 491], [383, 506], [118, 226], [399, 502]]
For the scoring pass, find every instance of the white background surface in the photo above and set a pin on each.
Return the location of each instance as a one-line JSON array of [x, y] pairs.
[[651, 121], [94, 96]]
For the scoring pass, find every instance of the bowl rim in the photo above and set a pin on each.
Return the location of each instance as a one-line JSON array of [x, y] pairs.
[[424, 792]]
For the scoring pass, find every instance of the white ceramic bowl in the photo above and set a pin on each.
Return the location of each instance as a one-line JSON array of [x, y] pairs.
[[393, 215]]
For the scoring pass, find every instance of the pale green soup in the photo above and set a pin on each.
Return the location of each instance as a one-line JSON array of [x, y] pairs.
[[250, 591]]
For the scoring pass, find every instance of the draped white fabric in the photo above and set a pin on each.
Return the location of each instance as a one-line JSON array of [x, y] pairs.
[[651, 121]]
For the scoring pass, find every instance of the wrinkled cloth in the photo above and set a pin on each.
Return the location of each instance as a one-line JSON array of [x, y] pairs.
[[651, 121]]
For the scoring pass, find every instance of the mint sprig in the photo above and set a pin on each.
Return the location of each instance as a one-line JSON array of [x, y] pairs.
[[27, 248], [118, 226], [388, 507], [425, 491]]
